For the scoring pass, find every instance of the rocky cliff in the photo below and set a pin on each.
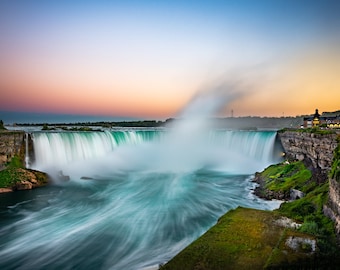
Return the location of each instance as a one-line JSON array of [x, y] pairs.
[[321, 153], [315, 150], [13, 175], [332, 209], [11, 143]]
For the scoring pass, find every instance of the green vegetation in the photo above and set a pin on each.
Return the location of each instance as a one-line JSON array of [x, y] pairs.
[[146, 123], [79, 129], [9, 176], [284, 177], [335, 171], [2, 127], [309, 211], [14, 173], [45, 127], [15, 163], [244, 238], [248, 122], [249, 237], [314, 130]]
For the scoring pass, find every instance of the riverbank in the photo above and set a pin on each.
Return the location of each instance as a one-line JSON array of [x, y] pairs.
[[247, 238], [14, 178], [298, 234], [13, 174]]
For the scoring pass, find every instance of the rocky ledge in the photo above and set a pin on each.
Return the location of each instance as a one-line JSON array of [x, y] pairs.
[[285, 181], [315, 149], [12, 179], [265, 193]]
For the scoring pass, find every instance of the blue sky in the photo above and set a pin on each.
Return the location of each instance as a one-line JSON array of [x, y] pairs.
[[146, 59]]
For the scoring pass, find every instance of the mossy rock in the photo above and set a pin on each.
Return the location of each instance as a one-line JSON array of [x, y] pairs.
[[19, 178], [15, 177], [277, 181]]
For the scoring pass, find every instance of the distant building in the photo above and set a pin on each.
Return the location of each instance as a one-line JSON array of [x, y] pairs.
[[317, 120]]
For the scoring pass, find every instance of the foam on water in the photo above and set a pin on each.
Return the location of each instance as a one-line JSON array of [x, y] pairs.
[[148, 194]]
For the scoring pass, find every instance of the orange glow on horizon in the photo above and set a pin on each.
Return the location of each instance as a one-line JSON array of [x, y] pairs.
[[306, 81]]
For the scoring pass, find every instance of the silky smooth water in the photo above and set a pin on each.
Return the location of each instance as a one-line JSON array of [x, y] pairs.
[[134, 199]]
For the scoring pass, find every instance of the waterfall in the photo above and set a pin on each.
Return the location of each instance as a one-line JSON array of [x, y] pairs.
[[27, 159], [202, 149], [58, 148], [135, 198]]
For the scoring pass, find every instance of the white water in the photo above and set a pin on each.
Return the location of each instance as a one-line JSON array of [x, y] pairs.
[[150, 196], [146, 196], [234, 152]]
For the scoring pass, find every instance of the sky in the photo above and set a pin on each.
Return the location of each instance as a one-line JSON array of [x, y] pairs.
[[147, 59]]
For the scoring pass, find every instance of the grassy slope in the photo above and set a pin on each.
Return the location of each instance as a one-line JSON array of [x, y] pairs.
[[242, 239], [283, 177], [248, 238]]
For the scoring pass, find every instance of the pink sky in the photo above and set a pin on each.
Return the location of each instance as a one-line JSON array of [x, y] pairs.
[[148, 62]]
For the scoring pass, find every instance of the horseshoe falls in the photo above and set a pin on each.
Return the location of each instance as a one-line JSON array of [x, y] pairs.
[[129, 199]]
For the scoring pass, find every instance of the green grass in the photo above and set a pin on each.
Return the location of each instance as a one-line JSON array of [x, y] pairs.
[[284, 177], [335, 170], [248, 238], [11, 175], [243, 239], [15, 162], [309, 211], [314, 130], [15, 172], [8, 177]]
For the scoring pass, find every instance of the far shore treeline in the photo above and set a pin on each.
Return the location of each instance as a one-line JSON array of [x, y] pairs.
[[242, 122], [249, 122]]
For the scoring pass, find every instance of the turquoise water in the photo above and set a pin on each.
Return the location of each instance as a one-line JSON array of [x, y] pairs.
[[134, 199]]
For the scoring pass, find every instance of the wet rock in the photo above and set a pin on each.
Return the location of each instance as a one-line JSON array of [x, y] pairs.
[[23, 185]]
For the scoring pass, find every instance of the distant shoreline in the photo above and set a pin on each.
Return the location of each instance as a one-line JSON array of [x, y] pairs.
[[246, 123]]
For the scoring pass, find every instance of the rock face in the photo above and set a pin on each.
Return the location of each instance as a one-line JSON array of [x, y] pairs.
[[11, 144], [333, 208], [13, 177], [22, 179], [262, 192], [316, 150]]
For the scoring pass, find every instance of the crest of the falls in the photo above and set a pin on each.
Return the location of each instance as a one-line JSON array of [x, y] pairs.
[[154, 150], [135, 197], [147, 195]]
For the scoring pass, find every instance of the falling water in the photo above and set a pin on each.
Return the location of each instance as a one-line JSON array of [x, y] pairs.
[[134, 198], [27, 160], [145, 196]]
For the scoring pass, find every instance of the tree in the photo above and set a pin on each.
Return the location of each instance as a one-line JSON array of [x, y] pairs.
[[2, 127]]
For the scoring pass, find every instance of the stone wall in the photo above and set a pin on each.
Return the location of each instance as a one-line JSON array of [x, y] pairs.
[[11, 143], [316, 150]]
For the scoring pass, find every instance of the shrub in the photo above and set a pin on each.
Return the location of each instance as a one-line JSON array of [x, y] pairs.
[[2, 127]]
